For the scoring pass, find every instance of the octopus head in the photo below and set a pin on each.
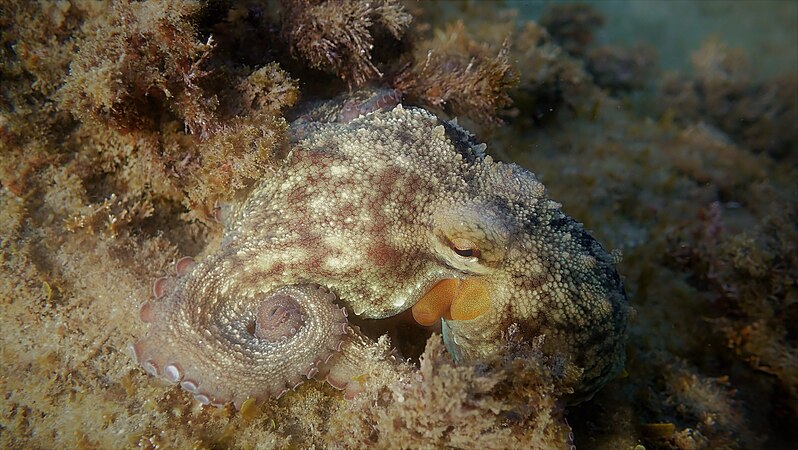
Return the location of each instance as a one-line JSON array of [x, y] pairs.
[[512, 258]]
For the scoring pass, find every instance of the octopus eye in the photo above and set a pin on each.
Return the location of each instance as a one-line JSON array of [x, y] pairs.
[[464, 247]]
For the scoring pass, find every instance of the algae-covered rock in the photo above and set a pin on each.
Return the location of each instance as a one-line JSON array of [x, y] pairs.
[[127, 127]]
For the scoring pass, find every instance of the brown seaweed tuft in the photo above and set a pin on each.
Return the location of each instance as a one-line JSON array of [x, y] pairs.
[[507, 402], [760, 114], [752, 275], [338, 36], [206, 129], [551, 81], [240, 152], [707, 405], [458, 74], [142, 61]]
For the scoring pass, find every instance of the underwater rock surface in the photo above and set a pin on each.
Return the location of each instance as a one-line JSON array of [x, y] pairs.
[[124, 126]]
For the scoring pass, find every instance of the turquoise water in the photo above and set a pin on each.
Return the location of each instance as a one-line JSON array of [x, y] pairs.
[[766, 30]]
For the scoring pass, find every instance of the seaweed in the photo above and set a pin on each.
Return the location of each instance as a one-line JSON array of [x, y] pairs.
[[572, 25], [509, 401], [231, 160], [338, 36], [36, 51], [550, 82], [461, 75], [230, 117], [761, 115], [752, 275], [503, 72], [139, 62], [123, 128], [621, 69]]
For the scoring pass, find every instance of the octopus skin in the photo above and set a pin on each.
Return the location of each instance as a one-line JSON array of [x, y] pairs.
[[392, 210]]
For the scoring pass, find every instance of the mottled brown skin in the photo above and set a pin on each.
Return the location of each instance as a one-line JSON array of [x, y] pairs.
[[369, 210]]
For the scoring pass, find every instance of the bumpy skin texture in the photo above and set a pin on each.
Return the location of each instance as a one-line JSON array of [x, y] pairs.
[[371, 211]]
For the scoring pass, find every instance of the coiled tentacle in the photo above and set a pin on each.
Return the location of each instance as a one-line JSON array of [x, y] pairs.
[[237, 343]]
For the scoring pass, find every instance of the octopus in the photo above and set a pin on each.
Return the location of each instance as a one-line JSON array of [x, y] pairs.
[[378, 209]]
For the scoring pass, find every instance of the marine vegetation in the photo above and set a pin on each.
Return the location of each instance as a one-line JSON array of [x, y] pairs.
[[141, 144]]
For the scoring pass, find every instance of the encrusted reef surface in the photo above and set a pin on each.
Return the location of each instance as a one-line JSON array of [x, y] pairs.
[[130, 130]]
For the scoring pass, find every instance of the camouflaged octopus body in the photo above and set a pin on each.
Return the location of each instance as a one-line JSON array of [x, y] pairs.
[[372, 215]]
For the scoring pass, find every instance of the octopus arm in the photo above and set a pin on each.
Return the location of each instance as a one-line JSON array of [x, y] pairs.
[[254, 349]]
